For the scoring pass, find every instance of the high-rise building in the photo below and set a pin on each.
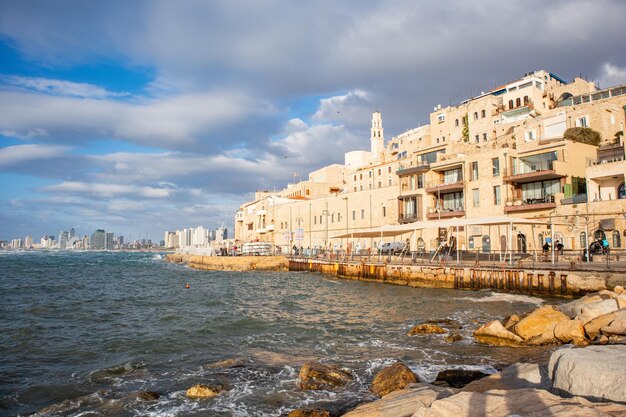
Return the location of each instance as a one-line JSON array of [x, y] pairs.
[[63, 238], [98, 239], [16, 243], [109, 242], [28, 242]]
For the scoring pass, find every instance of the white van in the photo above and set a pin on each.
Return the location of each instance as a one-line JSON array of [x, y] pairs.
[[392, 247]]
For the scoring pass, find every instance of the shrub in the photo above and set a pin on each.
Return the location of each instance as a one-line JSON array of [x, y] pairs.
[[582, 135]]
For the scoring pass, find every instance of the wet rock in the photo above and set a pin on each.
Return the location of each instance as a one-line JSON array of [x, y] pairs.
[[597, 309], [593, 327], [494, 334], [594, 372], [457, 378], [309, 412], [447, 323], [538, 327], [426, 328], [517, 402], [398, 403], [453, 337], [316, 376], [570, 331], [395, 377], [203, 391], [148, 395], [519, 375], [227, 363]]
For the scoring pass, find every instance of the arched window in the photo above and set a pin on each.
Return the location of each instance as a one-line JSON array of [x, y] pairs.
[[525, 100], [510, 104], [583, 240], [621, 191], [617, 239], [518, 102], [475, 115], [456, 122], [483, 114]]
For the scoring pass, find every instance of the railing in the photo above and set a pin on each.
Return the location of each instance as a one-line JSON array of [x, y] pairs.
[[521, 167], [546, 198], [577, 199], [603, 161], [443, 182], [405, 218]]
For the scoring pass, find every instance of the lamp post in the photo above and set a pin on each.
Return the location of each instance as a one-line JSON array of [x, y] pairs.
[[346, 200]]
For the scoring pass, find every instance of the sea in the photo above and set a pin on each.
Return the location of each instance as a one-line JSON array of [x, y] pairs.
[[81, 333]]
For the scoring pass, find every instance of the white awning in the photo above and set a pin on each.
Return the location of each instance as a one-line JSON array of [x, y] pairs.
[[400, 229]]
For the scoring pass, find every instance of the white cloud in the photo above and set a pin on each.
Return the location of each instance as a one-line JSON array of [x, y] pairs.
[[612, 75], [19, 154], [61, 87], [107, 190]]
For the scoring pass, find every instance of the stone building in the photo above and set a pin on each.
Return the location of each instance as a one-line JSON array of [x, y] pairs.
[[506, 152]]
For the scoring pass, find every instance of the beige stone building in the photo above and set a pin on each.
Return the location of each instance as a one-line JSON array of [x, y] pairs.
[[501, 153]]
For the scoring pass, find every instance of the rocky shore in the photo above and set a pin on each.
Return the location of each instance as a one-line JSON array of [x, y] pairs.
[[585, 378], [230, 263]]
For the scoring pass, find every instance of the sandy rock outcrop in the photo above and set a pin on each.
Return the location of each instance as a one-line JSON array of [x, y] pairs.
[[395, 377], [538, 327], [595, 372], [519, 375], [203, 391], [574, 308], [309, 412], [594, 327], [516, 402], [570, 331], [495, 334], [426, 328], [587, 283], [402, 403], [317, 376], [599, 308]]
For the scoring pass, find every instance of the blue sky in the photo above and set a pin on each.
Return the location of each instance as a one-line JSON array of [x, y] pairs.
[[145, 116]]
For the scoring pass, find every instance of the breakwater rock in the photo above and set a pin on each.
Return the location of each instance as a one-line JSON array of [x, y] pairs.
[[230, 263]]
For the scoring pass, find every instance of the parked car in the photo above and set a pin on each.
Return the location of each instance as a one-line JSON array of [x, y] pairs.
[[392, 247]]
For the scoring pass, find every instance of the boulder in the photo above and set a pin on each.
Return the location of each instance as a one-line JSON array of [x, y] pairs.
[[519, 375], [594, 372], [457, 378], [583, 284], [227, 363], [453, 337], [517, 402], [494, 334], [615, 339], [599, 308], [148, 395], [402, 403], [395, 377], [593, 328], [314, 375], [448, 323], [426, 328], [538, 327], [570, 331], [607, 294], [618, 289], [309, 412], [574, 308], [203, 391]]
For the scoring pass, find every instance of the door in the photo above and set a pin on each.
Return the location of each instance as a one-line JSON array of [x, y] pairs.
[[486, 244], [521, 243]]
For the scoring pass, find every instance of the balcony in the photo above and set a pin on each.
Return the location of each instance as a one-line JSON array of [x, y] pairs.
[[433, 214], [407, 218], [530, 204], [524, 172], [402, 170], [239, 216], [576, 199], [445, 187]]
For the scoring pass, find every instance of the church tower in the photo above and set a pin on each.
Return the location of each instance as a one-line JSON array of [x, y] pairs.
[[377, 139]]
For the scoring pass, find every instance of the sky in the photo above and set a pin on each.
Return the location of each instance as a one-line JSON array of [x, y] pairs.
[[145, 116]]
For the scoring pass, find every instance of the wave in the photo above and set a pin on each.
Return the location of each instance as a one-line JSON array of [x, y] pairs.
[[506, 298]]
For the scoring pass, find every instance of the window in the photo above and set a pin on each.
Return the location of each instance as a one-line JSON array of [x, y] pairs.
[[526, 101], [379, 171], [389, 180], [518, 102], [380, 184], [355, 177], [475, 115], [617, 240], [495, 162], [420, 181], [496, 195], [370, 174], [441, 117], [315, 220], [332, 218], [384, 211], [456, 122], [353, 215], [511, 104], [582, 122], [483, 114], [474, 171], [320, 219], [477, 138], [360, 176], [583, 239], [389, 169], [529, 136], [338, 217], [476, 197], [484, 137], [362, 213], [361, 187]]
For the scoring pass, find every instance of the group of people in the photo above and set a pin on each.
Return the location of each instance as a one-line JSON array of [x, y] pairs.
[[558, 247]]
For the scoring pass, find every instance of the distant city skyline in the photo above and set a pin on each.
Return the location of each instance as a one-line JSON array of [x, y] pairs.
[[150, 116]]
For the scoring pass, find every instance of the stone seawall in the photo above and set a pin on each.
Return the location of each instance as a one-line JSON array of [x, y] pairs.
[[231, 263]]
